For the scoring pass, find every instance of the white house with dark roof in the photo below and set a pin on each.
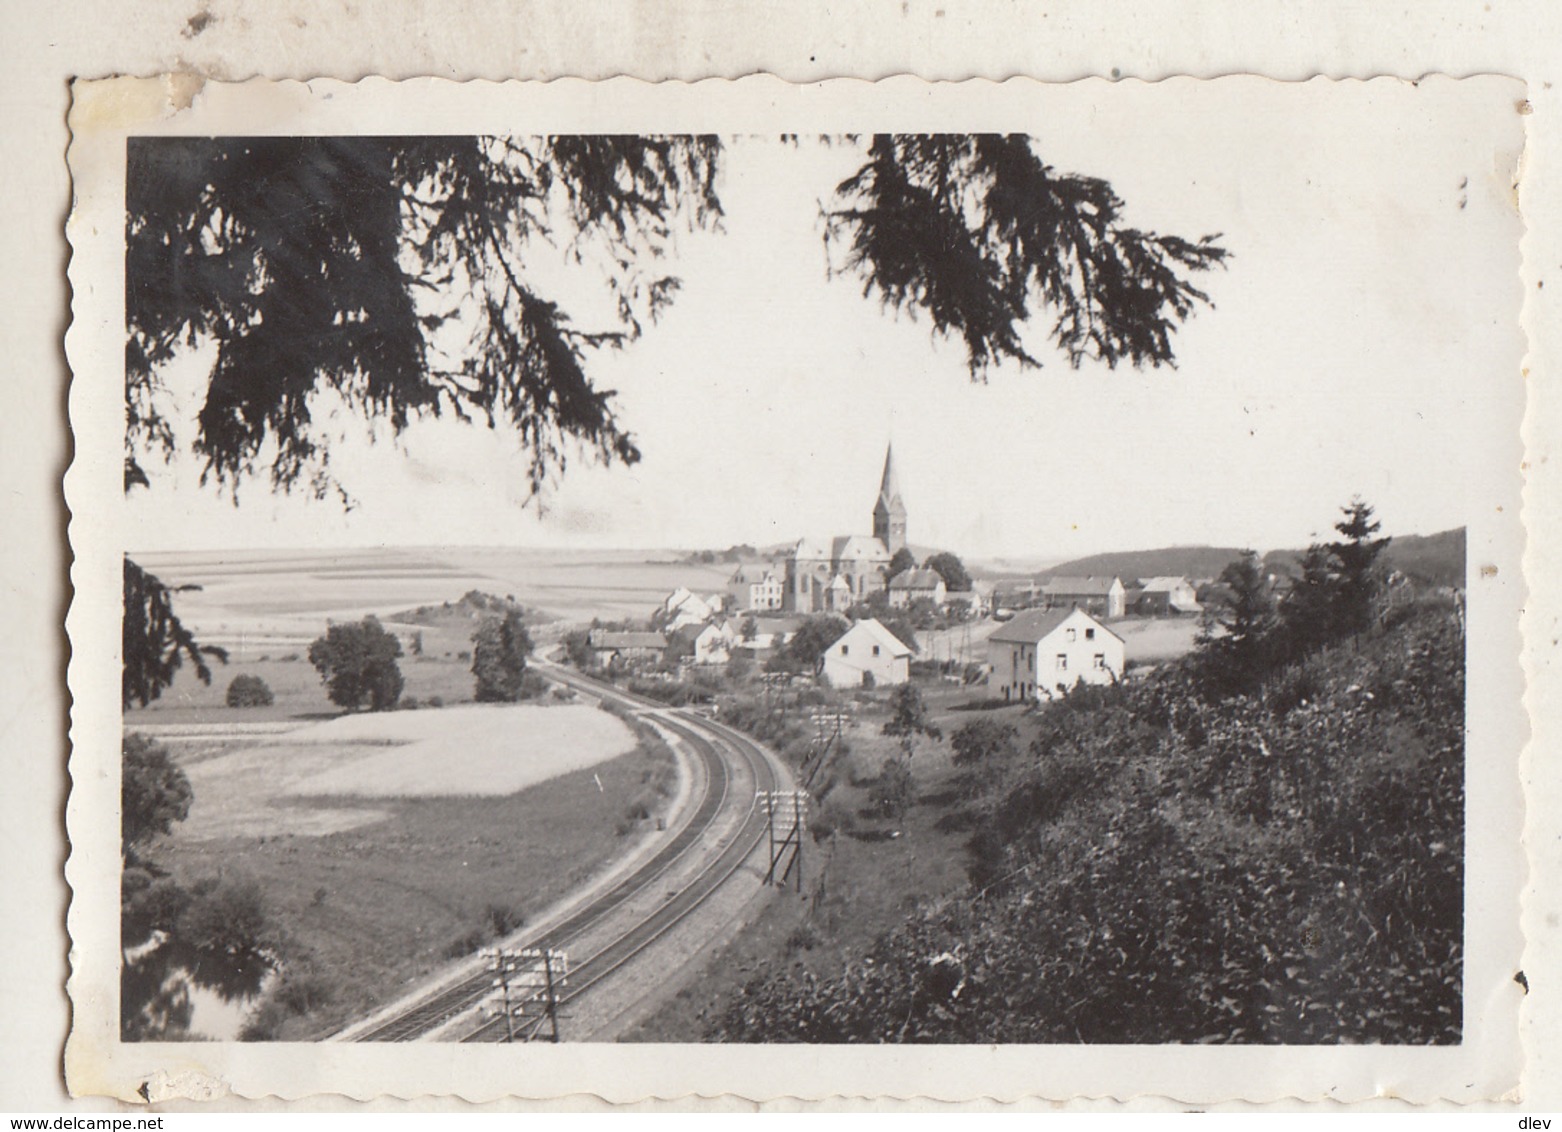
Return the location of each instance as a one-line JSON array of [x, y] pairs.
[[1102, 596], [1042, 652], [867, 654]]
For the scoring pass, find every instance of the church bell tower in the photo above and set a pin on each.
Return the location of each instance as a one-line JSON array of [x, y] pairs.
[[889, 513]]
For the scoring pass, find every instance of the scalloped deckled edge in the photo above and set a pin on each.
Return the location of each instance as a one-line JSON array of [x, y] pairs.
[[181, 92]]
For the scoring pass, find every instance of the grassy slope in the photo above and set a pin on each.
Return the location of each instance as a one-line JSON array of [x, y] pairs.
[[1279, 871], [376, 908], [859, 881], [297, 687]]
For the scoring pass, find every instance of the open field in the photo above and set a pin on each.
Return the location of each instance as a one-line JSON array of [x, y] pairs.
[[1154, 640], [292, 781], [259, 600], [372, 908], [299, 693], [480, 749]]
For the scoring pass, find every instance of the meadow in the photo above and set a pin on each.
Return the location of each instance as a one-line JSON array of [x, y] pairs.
[[277, 601]]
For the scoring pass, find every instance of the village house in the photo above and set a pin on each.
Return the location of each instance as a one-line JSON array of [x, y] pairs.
[[702, 644], [970, 603], [918, 584], [683, 607], [1043, 651], [866, 655], [611, 647], [1165, 597], [769, 633], [1102, 596], [757, 590]]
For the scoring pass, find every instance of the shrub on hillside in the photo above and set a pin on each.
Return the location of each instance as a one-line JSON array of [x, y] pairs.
[[249, 691], [1161, 867]]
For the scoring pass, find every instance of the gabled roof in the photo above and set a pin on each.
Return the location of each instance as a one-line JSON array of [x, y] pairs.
[[810, 548], [878, 634], [1033, 625], [1164, 584], [1094, 585], [923, 578], [858, 546], [608, 639], [686, 634]]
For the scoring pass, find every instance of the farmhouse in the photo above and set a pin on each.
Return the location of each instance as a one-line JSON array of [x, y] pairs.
[[867, 654], [1165, 597], [609, 647], [1044, 650], [922, 584], [703, 644], [1104, 597]]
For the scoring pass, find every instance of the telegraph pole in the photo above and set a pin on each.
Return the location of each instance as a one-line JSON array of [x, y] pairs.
[[536, 974], [782, 805]]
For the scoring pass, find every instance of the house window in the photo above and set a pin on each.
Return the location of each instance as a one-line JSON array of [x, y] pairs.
[[875, 650], [1072, 633], [1100, 660], [1062, 662], [845, 649], [1090, 634]]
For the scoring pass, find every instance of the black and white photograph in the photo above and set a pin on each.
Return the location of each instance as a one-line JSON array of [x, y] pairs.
[[1023, 575]]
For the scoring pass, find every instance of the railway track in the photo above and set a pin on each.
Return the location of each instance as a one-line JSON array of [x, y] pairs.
[[589, 972], [716, 746]]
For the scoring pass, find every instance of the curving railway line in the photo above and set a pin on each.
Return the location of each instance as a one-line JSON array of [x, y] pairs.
[[726, 755]]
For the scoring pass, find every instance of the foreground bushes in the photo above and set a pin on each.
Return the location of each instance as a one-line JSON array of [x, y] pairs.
[[1157, 867]]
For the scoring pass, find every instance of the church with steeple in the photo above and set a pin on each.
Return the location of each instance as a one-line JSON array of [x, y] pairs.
[[835, 574]]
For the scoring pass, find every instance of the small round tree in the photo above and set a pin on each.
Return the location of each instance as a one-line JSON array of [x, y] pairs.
[[249, 691]]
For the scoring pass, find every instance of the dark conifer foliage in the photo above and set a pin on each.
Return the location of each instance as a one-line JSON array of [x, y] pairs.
[[976, 230], [156, 644], [396, 274], [395, 278]]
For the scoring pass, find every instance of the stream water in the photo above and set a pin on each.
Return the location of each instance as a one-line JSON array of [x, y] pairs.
[[171, 992]]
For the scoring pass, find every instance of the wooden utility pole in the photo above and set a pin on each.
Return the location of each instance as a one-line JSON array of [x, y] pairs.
[[535, 974], [790, 809]]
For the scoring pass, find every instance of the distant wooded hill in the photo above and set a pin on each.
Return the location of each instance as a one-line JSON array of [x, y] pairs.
[[1437, 559]]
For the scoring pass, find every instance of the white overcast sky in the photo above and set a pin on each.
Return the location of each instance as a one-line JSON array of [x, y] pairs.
[[1363, 328]]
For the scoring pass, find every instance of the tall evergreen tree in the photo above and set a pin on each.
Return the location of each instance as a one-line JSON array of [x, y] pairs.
[[1356, 553], [1310, 611], [1236, 637]]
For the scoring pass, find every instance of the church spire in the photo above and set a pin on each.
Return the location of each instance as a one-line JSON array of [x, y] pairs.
[[889, 513]]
